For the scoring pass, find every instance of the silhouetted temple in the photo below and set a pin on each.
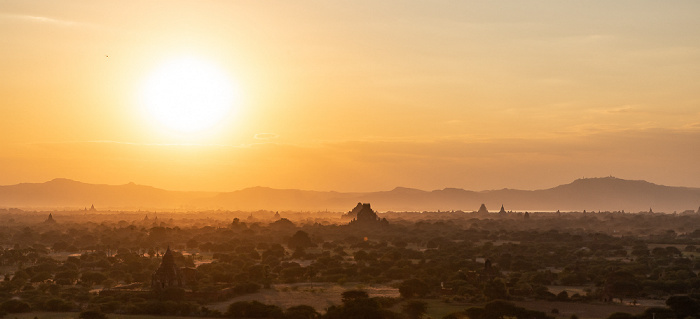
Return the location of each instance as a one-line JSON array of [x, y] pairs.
[[364, 215], [50, 220], [353, 213], [167, 275], [502, 211], [483, 210]]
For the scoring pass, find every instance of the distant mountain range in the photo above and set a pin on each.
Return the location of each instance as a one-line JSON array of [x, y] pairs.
[[66, 193], [592, 194]]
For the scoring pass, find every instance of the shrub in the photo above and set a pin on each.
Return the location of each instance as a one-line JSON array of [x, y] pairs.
[[14, 306], [58, 305]]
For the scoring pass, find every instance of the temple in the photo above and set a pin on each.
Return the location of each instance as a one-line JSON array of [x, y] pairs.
[[168, 274], [364, 215], [502, 211]]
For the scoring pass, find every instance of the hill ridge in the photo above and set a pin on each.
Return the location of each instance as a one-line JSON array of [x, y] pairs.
[[596, 193]]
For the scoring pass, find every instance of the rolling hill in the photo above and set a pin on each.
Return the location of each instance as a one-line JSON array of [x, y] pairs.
[[592, 194]]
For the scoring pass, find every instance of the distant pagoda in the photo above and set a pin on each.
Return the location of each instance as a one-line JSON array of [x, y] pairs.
[[50, 220], [502, 211]]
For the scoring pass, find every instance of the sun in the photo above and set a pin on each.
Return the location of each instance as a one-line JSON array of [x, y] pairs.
[[189, 95]]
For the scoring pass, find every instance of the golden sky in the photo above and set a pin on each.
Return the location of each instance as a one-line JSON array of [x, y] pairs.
[[354, 95]]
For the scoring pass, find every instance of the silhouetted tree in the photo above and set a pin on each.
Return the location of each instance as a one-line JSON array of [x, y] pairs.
[[14, 306], [300, 239], [301, 312], [413, 288], [415, 309], [683, 306]]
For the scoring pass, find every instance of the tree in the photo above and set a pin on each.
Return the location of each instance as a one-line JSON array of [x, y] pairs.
[[363, 308], [300, 239], [563, 296], [413, 287], [93, 277], [301, 312], [415, 309], [657, 313], [683, 306], [41, 277], [14, 306], [58, 305], [622, 284], [495, 289]]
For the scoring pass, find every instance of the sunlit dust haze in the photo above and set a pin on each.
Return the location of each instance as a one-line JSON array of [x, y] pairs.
[[349, 95]]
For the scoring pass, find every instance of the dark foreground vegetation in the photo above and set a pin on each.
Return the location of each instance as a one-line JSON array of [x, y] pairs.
[[102, 263]]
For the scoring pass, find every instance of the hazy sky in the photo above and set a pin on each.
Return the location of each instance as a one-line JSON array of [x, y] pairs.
[[356, 95]]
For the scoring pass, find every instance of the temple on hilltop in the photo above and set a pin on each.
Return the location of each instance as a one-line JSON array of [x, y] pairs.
[[364, 215], [169, 275]]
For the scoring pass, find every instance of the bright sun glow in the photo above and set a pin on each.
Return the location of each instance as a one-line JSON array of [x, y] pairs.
[[189, 95]]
